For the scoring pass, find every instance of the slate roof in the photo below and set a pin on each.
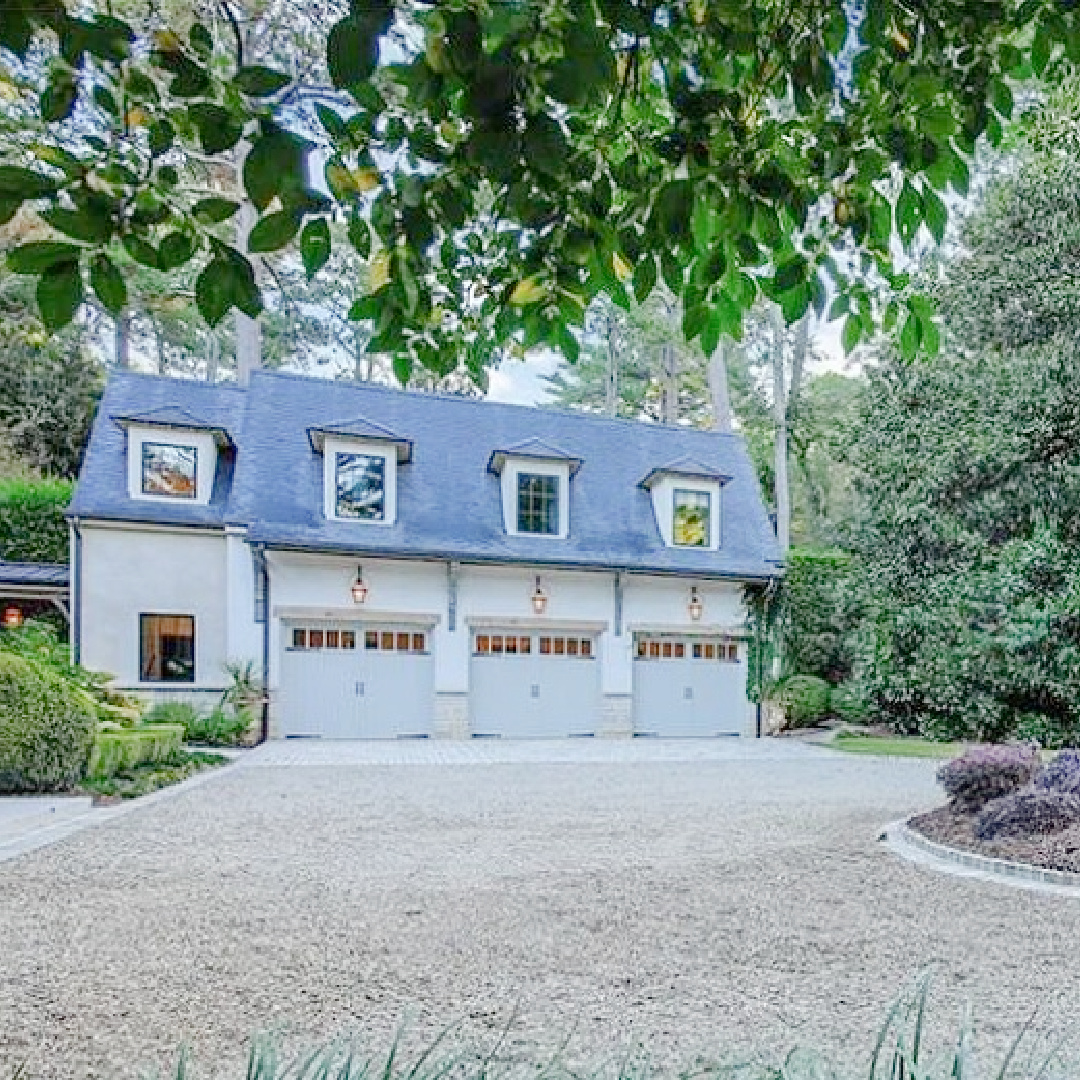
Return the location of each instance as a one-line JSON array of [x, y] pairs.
[[686, 466], [44, 574], [449, 502]]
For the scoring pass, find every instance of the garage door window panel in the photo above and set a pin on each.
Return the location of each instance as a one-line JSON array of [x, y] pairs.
[[167, 647]]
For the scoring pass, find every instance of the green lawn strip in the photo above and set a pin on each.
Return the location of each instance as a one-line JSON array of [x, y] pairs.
[[896, 747], [144, 779]]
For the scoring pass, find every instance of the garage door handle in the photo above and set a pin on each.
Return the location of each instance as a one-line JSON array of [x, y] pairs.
[[536, 690], [359, 689]]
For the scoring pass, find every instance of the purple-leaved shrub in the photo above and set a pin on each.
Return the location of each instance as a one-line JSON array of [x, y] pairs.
[[1027, 813], [988, 772], [1062, 774]]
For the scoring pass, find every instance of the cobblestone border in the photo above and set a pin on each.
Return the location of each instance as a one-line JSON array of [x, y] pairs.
[[910, 844]]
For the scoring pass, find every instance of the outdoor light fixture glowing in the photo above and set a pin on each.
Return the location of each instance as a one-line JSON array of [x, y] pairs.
[[13, 616], [359, 588], [539, 598], [696, 606]]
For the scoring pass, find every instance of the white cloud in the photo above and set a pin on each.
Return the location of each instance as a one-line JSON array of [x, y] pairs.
[[518, 382]]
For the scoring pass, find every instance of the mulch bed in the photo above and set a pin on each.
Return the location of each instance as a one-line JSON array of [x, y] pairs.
[[1054, 851]]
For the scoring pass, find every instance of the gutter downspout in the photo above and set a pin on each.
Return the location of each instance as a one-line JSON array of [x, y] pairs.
[[76, 591], [259, 553]]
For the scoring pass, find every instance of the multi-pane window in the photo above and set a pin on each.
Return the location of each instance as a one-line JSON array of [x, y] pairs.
[[360, 486], [489, 644], [167, 648], [502, 644], [313, 637], [538, 504], [691, 513], [724, 649], [169, 471]]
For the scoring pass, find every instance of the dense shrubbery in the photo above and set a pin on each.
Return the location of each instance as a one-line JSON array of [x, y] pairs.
[[804, 699], [1062, 774], [848, 703], [32, 524], [218, 728], [121, 751], [47, 727], [985, 773], [1027, 813]]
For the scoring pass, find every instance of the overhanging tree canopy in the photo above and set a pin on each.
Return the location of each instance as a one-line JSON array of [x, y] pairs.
[[502, 163]]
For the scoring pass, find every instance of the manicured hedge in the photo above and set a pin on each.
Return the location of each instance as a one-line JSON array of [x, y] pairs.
[[32, 525], [46, 728], [804, 699], [120, 751]]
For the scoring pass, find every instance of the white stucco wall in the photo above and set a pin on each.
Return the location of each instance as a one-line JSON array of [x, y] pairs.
[[127, 572]]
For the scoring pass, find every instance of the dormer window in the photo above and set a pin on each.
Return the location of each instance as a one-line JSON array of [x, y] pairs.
[[535, 483], [686, 503], [170, 470], [691, 518], [360, 470], [172, 455], [360, 486], [538, 504]]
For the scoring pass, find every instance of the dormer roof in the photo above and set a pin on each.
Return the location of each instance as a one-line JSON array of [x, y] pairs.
[[534, 450], [360, 427], [688, 468], [175, 418]]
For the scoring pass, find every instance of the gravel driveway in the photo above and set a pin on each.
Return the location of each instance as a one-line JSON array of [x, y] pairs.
[[699, 897]]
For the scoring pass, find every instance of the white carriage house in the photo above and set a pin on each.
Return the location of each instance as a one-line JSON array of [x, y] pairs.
[[408, 565]]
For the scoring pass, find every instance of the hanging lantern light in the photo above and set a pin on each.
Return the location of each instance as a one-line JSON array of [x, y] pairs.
[[539, 598], [696, 607], [359, 587], [13, 616]]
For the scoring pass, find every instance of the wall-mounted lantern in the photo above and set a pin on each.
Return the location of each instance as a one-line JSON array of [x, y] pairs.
[[696, 607], [539, 598], [359, 588]]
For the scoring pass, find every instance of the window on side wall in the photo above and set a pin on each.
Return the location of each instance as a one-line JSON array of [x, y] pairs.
[[167, 648], [538, 504], [360, 486], [691, 518], [169, 470]]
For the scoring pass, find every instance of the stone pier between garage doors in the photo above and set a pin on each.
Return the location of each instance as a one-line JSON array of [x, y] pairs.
[[456, 651]]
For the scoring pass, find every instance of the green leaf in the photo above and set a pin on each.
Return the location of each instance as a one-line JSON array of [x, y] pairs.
[[275, 165], [1041, 49], [9, 207], [694, 321], [89, 224], [934, 213], [25, 183], [218, 128], [931, 337], [201, 40], [367, 307], [140, 250], [259, 81], [227, 281], [545, 145], [644, 277], [704, 223], [790, 273], [104, 99], [672, 271], [39, 257], [853, 332], [729, 316], [274, 231], [352, 52], [910, 336], [334, 126], [175, 250], [908, 213], [937, 121], [160, 135], [58, 98], [360, 236], [213, 211], [710, 334], [315, 246], [108, 283], [59, 294]]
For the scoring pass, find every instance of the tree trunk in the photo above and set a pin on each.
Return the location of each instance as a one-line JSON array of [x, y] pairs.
[[669, 388], [122, 339], [248, 330], [611, 387], [718, 387], [213, 356], [362, 364], [780, 447]]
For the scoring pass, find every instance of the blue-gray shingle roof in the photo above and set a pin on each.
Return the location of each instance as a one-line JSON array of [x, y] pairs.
[[449, 502]]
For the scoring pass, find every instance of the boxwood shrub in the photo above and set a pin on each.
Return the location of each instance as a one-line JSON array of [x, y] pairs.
[[46, 728], [804, 699], [121, 751]]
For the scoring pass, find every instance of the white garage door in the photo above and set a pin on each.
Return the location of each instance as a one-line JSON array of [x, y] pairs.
[[686, 686], [355, 681], [534, 685]]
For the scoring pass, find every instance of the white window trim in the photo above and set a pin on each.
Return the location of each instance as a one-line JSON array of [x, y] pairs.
[[513, 468], [206, 452], [334, 446], [663, 496]]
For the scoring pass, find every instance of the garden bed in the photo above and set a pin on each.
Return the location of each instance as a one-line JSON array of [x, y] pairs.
[[953, 828], [144, 779]]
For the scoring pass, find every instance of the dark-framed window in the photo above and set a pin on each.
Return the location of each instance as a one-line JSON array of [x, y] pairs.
[[538, 504], [691, 518], [167, 648], [360, 486], [170, 470]]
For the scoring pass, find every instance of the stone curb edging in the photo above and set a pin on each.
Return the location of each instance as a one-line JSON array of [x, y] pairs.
[[52, 834], [910, 844]]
